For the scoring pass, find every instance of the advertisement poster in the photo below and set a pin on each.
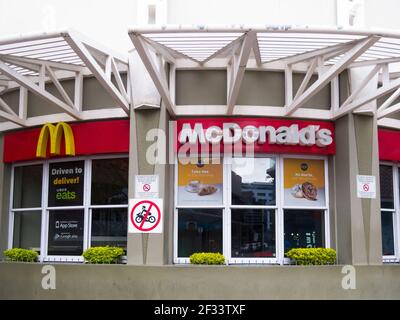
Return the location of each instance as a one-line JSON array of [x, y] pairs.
[[66, 233], [200, 184], [66, 184], [304, 182]]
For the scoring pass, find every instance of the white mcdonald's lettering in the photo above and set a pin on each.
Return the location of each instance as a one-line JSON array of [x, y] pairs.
[[232, 133]]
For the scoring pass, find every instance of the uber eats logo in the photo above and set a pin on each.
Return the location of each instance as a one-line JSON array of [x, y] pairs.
[[66, 183]]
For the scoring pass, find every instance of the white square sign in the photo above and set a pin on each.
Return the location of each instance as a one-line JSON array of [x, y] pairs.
[[146, 186], [366, 187], [145, 216]]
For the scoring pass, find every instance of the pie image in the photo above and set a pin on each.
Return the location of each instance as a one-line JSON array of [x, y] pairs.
[[206, 190], [309, 191]]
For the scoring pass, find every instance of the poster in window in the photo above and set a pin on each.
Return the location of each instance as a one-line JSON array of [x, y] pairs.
[[66, 183], [304, 182], [199, 183], [65, 233]]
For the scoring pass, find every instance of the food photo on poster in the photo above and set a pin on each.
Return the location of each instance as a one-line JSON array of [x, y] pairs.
[[304, 182], [200, 182]]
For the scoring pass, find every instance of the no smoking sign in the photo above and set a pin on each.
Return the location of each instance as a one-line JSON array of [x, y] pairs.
[[366, 187], [145, 216]]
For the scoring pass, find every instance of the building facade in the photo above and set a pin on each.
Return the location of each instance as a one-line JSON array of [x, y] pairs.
[[261, 140]]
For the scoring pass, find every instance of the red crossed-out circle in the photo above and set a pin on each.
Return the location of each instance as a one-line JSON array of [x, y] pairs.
[[366, 187], [146, 187], [151, 205]]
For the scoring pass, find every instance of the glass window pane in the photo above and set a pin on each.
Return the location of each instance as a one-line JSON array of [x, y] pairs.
[[253, 181], [27, 226], [387, 234], [199, 230], [109, 227], [65, 232], [110, 181], [304, 229], [386, 183], [66, 182], [28, 187], [253, 233]]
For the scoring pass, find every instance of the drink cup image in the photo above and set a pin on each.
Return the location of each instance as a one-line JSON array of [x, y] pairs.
[[193, 186]]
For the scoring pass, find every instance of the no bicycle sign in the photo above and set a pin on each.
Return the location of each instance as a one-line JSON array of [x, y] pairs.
[[145, 216]]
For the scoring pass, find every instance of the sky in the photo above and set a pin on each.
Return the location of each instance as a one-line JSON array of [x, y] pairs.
[[107, 21]]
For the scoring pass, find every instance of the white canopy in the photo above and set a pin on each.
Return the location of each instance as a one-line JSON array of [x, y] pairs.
[[312, 50]]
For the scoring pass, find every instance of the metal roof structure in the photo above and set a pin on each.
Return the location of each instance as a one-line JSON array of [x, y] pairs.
[[311, 50], [30, 62]]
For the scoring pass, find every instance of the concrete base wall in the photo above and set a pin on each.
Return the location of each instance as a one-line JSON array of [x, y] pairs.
[[23, 281]]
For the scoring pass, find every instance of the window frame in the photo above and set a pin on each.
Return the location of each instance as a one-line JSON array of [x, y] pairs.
[[86, 206], [279, 208], [186, 260], [325, 209], [247, 260], [395, 212]]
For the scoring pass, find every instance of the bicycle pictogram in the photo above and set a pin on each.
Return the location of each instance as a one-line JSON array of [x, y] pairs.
[[140, 216], [145, 216]]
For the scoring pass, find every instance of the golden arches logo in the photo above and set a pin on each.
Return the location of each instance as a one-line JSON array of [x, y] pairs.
[[55, 133]]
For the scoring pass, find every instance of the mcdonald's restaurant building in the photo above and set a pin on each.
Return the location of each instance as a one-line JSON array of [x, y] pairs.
[[292, 149]]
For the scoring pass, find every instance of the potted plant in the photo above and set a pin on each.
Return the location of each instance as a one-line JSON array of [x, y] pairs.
[[207, 258], [21, 255], [103, 255], [312, 256]]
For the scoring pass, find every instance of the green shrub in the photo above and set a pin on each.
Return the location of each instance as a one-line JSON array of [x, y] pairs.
[[18, 254], [312, 256], [105, 255], [207, 258]]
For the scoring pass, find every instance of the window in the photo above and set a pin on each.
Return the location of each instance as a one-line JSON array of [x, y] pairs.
[[253, 181], [65, 237], [199, 213], [109, 200], [26, 214], [66, 180], [303, 229], [253, 209], [28, 187], [109, 181], [269, 205], [27, 225], [389, 178], [253, 233], [199, 230], [109, 227], [84, 203], [387, 234]]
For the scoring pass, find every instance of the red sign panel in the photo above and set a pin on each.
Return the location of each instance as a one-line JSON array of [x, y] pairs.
[[389, 146], [98, 137], [264, 134]]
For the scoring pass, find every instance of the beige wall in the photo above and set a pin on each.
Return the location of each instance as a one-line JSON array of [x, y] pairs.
[[358, 220], [201, 87], [262, 89], [23, 281], [94, 97], [259, 88]]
